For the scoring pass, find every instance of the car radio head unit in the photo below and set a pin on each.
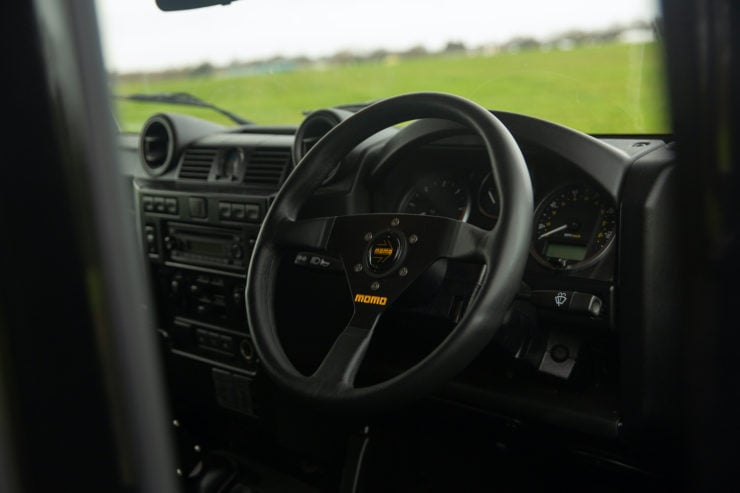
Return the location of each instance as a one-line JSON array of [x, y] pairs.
[[203, 245]]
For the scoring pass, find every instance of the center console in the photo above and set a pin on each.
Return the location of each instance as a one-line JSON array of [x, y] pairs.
[[198, 244]]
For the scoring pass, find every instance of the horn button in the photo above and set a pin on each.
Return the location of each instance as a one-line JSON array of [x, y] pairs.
[[385, 252]]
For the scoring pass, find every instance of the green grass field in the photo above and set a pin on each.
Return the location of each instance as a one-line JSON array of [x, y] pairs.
[[598, 89]]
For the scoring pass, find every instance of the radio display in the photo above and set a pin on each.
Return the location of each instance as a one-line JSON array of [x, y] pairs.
[[205, 248]]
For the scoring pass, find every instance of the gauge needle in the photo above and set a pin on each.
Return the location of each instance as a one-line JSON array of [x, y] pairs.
[[492, 197], [553, 231]]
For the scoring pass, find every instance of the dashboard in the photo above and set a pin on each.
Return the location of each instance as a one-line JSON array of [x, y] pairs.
[[601, 209]]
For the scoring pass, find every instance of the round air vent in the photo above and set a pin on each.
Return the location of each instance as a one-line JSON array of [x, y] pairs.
[[157, 145], [313, 128]]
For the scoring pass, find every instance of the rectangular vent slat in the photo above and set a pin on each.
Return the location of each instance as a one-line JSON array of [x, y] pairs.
[[267, 168], [197, 163]]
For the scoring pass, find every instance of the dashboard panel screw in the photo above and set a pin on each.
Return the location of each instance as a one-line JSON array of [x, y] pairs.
[[403, 272], [196, 448], [395, 221], [375, 286], [178, 471], [358, 267], [175, 423], [368, 236], [413, 239]]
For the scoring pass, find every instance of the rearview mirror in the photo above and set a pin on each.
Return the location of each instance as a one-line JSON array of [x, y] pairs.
[[169, 5]]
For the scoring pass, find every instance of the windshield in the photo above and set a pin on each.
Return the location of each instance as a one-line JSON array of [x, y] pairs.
[[594, 66]]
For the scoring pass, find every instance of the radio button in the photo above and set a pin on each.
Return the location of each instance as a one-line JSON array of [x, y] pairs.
[[202, 337], [148, 203], [237, 251], [226, 343], [150, 235], [159, 204]]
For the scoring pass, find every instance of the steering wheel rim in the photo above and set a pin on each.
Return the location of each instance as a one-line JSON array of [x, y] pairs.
[[503, 250]]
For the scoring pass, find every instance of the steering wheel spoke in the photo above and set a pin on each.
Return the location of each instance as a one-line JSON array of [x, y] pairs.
[[307, 234], [341, 364], [467, 242]]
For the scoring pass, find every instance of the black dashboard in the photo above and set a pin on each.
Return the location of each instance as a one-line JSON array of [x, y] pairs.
[[576, 352]]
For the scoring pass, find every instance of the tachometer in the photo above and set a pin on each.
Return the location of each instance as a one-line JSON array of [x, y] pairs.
[[438, 197], [573, 227]]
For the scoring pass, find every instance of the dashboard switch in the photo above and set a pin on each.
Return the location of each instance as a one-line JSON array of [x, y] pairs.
[[197, 207], [252, 212], [171, 205], [224, 210], [237, 212], [568, 301]]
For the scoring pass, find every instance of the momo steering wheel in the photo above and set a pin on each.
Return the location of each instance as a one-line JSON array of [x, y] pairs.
[[382, 254]]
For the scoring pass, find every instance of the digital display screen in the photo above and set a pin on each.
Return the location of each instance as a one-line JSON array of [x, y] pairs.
[[568, 252], [206, 248]]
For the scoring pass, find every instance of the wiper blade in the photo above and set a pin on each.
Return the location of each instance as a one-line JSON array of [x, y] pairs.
[[182, 98]]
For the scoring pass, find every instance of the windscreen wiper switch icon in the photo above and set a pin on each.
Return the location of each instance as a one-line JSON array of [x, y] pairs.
[[561, 298]]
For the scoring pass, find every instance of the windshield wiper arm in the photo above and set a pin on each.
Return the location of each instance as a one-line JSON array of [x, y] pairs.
[[184, 99]]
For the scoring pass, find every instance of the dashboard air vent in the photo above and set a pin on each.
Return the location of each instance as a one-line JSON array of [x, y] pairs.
[[267, 167], [313, 128], [197, 163], [156, 146]]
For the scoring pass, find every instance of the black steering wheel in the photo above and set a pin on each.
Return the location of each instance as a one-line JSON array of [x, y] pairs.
[[382, 254]]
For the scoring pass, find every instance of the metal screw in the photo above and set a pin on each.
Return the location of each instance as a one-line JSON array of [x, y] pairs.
[[178, 471], [196, 448], [375, 286], [413, 239], [175, 423], [403, 272], [358, 267], [395, 221], [368, 236]]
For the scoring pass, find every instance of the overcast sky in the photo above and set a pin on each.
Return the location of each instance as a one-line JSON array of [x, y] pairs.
[[137, 36]]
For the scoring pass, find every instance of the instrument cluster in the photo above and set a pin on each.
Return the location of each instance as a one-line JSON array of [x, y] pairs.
[[574, 223]]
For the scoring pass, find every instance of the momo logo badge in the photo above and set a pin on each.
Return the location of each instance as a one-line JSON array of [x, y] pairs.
[[371, 300], [383, 252]]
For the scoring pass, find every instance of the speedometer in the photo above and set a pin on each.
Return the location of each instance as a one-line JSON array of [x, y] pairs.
[[573, 227]]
